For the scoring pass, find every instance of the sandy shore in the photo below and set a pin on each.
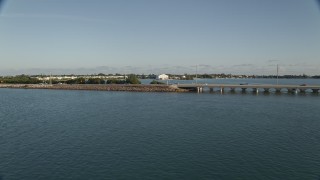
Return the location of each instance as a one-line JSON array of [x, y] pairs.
[[99, 87]]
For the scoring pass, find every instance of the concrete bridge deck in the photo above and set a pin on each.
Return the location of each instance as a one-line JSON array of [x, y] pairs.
[[253, 87]]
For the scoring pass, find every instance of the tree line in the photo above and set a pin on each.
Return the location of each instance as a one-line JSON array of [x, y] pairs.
[[24, 79], [20, 79]]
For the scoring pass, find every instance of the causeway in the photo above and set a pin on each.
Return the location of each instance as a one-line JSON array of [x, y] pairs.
[[253, 87]]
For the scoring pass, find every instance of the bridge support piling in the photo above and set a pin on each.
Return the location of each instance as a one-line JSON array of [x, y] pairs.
[[266, 89], [315, 90], [278, 90], [293, 90], [256, 90], [199, 89], [302, 90]]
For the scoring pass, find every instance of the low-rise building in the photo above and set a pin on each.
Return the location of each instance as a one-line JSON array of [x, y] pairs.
[[162, 77]]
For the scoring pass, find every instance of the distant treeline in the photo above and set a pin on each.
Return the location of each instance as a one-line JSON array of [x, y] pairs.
[[214, 76], [134, 78], [290, 76], [24, 79], [192, 76], [20, 79], [131, 79]]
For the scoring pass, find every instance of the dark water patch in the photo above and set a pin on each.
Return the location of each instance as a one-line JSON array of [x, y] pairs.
[[49, 134]]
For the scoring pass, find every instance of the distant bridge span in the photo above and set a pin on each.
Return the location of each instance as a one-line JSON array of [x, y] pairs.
[[254, 88]]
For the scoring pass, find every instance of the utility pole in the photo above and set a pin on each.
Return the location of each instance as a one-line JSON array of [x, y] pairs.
[[50, 80], [277, 74], [196, 73]]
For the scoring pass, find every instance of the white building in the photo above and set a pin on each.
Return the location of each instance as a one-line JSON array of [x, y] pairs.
[[162, 77]]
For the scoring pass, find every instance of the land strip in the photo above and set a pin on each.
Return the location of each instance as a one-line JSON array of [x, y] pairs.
[[100, 87]]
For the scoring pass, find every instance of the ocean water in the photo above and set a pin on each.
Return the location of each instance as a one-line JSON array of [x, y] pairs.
[[60, 134]]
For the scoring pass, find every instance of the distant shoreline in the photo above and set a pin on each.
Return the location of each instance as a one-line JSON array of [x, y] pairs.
[[99, 87]]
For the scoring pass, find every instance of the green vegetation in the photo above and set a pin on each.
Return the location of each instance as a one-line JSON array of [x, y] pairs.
[[156, 82], [115, 81], [76, 81], [95, 81], [143, 76], [20, 79], [132, 79], [187, 77]]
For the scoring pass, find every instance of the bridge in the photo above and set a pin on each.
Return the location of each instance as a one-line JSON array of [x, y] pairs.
[[255, 88]]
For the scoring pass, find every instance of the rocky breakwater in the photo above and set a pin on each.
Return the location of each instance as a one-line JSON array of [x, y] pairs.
[[100, 87]]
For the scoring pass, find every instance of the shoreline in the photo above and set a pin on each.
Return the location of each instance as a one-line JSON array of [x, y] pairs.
[[100, 87]]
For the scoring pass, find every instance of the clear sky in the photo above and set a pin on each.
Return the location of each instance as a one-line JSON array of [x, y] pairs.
[[159, 36]]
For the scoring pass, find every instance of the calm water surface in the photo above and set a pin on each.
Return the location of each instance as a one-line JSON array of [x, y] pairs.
[[57, 134]]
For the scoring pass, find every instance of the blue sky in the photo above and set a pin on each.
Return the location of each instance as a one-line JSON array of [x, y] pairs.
[[159, 36]]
